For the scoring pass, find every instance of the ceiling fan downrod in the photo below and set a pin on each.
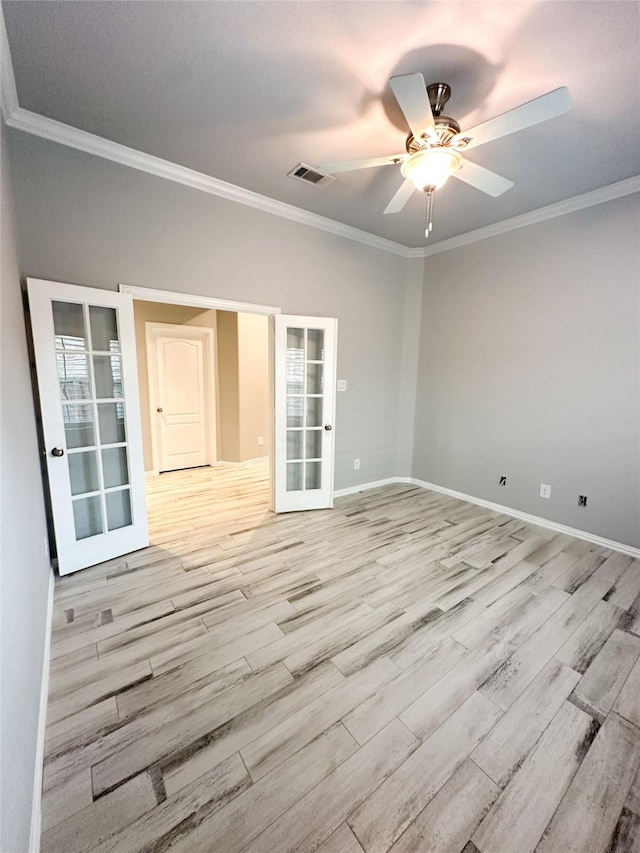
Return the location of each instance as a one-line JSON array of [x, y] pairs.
[[429, 191]]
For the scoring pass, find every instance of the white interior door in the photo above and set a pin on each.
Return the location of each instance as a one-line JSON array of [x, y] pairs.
[[181, 373], [85, 356], [305, 383]]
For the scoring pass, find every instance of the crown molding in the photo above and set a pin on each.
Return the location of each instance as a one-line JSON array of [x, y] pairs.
[[81, 140], [46, 128], [8, 91], [550, 211]]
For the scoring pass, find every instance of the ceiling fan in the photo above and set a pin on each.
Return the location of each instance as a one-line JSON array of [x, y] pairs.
[[433, 147]]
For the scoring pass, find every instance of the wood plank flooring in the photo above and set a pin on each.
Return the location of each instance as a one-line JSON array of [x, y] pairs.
[[403, 673]]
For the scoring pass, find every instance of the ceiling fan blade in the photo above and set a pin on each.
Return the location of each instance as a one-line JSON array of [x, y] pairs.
[[482, 179], [352, 165], [411, 94], [533, 112], [400, 198]]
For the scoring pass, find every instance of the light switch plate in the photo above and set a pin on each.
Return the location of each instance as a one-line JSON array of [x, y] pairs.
[[342, 384]]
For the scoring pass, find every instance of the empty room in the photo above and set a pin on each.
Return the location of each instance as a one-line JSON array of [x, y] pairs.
[[320, 426]]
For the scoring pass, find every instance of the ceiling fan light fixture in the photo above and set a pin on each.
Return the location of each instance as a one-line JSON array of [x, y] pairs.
[[431, 167]]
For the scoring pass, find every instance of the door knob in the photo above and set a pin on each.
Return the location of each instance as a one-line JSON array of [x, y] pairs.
[[328, 427], [159, 409], [57, 451]]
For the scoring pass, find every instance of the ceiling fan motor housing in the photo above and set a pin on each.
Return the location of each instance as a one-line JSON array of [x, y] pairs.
[[446, 129], [439, 94]]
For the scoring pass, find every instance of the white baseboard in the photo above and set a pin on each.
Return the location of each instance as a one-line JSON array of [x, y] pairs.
[[532, 519], [36, 808], [222, 463], [218, 464], [352, 490], [505, 510]]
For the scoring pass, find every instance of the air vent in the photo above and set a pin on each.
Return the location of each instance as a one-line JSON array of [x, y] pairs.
[[310, 176]]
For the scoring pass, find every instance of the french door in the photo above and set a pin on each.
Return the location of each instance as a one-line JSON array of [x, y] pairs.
[[85, 356], [84, 344], [305, 382]]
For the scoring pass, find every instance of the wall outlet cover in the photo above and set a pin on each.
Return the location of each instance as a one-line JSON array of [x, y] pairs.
[[545, 490], [260, 440], [356, 464], [342, 385]]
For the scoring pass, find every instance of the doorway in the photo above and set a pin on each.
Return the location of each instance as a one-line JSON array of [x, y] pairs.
[[205, 400], [181, 388], [84, 340]]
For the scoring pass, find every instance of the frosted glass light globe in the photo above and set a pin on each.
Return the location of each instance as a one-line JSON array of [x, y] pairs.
[[431, 167]]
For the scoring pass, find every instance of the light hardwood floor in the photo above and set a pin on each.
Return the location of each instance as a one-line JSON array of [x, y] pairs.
[[405, 672]]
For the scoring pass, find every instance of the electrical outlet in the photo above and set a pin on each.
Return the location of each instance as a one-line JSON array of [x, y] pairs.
[[545, 491], [356, 464], [502, 481], [582, 500], [260, 440], [342, 384]]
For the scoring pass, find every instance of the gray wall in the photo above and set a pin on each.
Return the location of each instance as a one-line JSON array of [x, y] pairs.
[[409, 373], [527, 363], [88, 221], [528, 345], [24, 566], [529, 366]]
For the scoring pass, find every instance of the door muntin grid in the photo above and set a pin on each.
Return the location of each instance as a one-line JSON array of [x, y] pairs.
[[305, 369], [89, 366]]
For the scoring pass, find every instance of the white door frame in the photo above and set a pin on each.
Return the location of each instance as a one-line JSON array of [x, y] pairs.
[[173, 297], [153, 331], [208, 302]]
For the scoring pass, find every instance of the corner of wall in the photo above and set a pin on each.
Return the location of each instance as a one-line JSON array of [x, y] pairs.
[[26, 576], [414, 280], [528, 367]]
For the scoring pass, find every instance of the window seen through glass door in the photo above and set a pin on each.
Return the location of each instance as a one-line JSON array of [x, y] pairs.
[[89, 365]]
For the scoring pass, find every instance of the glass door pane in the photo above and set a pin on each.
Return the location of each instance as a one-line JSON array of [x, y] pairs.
[[111, 421], [78, 425], [69, 326], [104, 328], [304, 395], [89, 365], [305, 391]]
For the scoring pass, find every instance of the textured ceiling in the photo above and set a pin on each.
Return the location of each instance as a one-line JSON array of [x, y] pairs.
[[243, 91]]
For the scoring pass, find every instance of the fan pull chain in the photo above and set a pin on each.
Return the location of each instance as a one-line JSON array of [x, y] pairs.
[[429, 227]]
